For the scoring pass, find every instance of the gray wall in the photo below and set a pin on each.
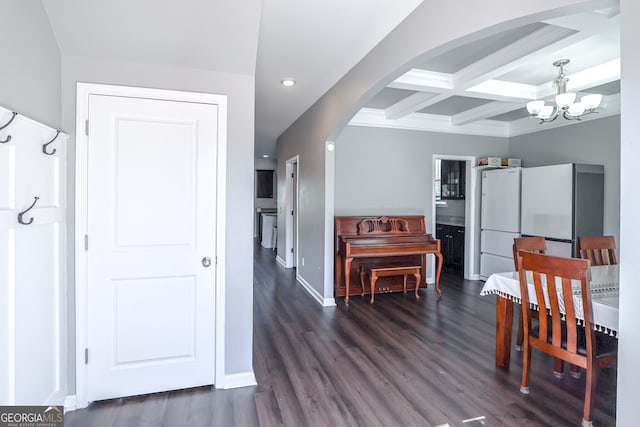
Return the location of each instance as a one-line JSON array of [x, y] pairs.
[[424, 34], [390, 171], [592, 142], [240, 173], [30, 65]]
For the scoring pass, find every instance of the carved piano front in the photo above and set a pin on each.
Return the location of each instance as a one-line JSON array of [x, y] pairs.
[[374, 240]]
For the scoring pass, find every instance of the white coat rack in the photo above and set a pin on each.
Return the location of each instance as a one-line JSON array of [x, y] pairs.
[[32, 261]]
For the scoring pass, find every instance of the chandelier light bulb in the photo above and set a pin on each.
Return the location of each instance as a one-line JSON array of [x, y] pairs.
[[576, 109], [592, 101], [546, 112], [534, 107], [564, 100]]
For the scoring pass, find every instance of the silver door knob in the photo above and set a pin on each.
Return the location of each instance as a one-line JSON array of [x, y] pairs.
[[206, 261]]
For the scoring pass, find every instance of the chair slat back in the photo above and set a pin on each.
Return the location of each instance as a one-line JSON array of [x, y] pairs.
[[599, 250], [552, 277], [530, 244]]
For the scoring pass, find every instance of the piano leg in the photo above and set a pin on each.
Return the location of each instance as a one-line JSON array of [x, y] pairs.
[[438, 271], [347, 278]]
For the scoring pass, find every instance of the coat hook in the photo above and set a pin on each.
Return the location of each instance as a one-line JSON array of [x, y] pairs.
[[44, 146], [21, 214], [4, 141]]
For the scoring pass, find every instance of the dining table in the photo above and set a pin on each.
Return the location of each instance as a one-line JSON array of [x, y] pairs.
[[604, 288]]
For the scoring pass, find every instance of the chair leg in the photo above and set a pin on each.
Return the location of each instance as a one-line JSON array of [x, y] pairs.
[[418, 278], [520, 336], [575, 372], [589, 394], [558, 368], [526, 368]]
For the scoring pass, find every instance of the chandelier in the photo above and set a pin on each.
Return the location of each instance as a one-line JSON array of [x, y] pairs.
[[565, 101]]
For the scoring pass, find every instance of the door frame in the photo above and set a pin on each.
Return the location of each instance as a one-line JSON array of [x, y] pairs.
[[471, 218], [84, 90], [291, 221]]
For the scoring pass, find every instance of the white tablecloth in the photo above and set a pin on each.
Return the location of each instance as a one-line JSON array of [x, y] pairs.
[[604, 294]]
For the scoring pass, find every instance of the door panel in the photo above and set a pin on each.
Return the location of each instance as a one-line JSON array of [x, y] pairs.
[[497, 243], [151, 216], [165, 330], [164, 193], [501, 200], [490, 264]]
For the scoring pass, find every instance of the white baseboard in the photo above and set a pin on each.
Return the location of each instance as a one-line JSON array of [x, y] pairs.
[[243, 379], [281, 261], [70, 403], [325, 302], [476, 277]]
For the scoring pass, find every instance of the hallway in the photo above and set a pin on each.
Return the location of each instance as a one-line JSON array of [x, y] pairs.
[[399, 362]]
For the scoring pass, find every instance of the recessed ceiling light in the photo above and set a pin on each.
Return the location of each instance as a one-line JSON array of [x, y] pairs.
[[287, 82], [265, 155]]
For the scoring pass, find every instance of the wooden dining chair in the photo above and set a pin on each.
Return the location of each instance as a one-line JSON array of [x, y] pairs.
[[599, 250], [529, 244], [552, 279]]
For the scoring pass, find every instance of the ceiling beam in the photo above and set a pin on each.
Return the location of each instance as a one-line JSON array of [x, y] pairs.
[[483, 111], [423, 81], [510, 57], [413, 103]]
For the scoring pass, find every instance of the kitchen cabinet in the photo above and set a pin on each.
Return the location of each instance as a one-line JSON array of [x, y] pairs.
[[452, 180], [452, 245]]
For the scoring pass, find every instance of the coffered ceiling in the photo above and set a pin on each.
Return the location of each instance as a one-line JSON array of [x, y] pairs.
[[482, 87]]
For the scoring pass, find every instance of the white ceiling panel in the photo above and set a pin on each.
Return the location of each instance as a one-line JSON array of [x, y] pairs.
[[387, 97]]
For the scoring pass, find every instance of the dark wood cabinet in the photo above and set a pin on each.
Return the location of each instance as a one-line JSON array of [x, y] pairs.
[[452, 245], [452, 180]]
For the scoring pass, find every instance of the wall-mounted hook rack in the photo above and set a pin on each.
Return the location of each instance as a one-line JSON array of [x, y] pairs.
[[13, 116], [44, 146], [21, 214]]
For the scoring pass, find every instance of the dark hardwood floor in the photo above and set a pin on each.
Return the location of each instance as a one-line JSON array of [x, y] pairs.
[[399, 362]]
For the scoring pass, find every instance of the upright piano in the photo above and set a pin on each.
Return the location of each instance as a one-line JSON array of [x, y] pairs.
[[373, 239]]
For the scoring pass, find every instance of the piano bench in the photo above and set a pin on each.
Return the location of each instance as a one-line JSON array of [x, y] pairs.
[[375, 271]]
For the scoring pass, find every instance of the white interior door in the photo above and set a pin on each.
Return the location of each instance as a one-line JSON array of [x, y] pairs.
[[32, 263], [151, 245], [291, 213]]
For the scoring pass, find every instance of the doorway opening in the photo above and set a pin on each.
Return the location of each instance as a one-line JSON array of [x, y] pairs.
[[454, 218]]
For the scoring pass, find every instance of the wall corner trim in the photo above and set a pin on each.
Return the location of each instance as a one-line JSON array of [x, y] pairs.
[[70, 403], [242, 379], [325, 302]]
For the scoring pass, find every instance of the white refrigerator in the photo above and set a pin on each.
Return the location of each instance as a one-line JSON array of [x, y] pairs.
[[499, 219], [561, 203]]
